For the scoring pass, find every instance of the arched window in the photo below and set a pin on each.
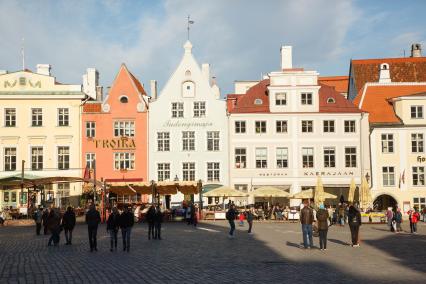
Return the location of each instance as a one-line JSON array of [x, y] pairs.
[[384, 66], [124, 100], [187, 73], [258, 101], [331, 100]]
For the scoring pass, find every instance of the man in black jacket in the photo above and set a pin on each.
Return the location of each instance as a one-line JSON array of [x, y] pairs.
[[158, 219], [306, 219], [150, 219], [93, 218], [68, 223], [230, 216], [126, 223], [354, 220]]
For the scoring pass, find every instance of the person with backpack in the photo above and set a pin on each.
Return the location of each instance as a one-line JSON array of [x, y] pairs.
[[150, 219], [112, 227], [322, 220], [126, 223], [354, 221], [38, 220], [398, 220], [68, 224], [414, 219], [231, 214]]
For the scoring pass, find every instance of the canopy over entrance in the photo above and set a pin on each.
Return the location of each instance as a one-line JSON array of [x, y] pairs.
[[33, 181]]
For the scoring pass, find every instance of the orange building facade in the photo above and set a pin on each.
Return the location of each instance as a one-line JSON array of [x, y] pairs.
[[115, 132]]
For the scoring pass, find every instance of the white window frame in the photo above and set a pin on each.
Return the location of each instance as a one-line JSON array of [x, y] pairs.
[[418, 176], [63, 117], [90, 129], [188, 140], [240, 154], [308, 157], [240, 126], [307, 126], [64, 164], [199, 109], [281, 154], [124, 128], [163, 171], [260, 126], [90, 160], [306, 98], [351, 157], [261, 155], [188, 171], [329, 126], [388, 176], [10, 118], [416, 112], [177, 110], [163, 141], [10, 160], [213, 171], [124, 161], [329, 157], [36, 117], [213, 140], [280, 99], [36, 162], [387, 142], [349, 126], [417, 143], [281, 126]]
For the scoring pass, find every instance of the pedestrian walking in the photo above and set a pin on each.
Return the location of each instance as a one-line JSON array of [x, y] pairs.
[[322, 221], [231, 214], [306, 219], [398, 220], [250, 217], [189, 214], [241, 219], [37, 216], [158, 219], [44, 218], [150, 219], [414, 219], [354, 220], [113, 224], [389, 218], [54, 227], [126, 221], [68, 224], [93, 218]]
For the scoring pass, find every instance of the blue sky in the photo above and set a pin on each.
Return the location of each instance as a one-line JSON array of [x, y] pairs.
[[240, 39]]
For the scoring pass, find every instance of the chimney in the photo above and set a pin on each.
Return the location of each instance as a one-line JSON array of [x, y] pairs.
[[205, 70], [384, 74], [90, 82], [416, 50], [286, 57], [44, 69], [99, 93], [215, 88], [153, 89]]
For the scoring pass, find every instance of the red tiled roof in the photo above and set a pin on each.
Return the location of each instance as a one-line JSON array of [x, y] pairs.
[[92, 107], [245, 103], [406, 69], [340, 83], [137, 84], [376, 100], [340, 105]]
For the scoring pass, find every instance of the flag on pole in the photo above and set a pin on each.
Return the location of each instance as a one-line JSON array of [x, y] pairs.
[[86, 175]]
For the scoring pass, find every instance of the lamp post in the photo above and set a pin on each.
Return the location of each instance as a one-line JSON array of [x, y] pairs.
[[152, 192], [200, 192]]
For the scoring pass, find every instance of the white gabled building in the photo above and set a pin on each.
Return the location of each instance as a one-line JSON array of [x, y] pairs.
[[188, 128], [288, 129]]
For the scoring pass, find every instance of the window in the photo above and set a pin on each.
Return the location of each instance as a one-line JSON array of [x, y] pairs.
[[63, 158], [350, 157], [163, 171], [36, 158], [90, 129], [199, 109], [163, 141], [212, 140], [261, 157], [258, 101], [10, 159], [416, 112], [306, 99], [36, 117], [10, 117], [124, 161], [307, 126], [13, 198], [188, 140], [308, 157], [177, 110], [417, 143], [22, 81], [90, 160], [419, 202], [331, 100], [124, 128], [329, 157], [388, 176], [241, 187], [64, 190], [282, 157], [328, 126], [349, 126], [6, 196], [280, 99], [419, 176], [124, 100], [260, 126], [240, 127], [63, 117], [188, 171], [281, 126], [240, 158], [213, 172], [387, 143], [23, 197]]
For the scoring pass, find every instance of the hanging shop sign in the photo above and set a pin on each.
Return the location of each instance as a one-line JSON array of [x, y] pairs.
[[123, 143]]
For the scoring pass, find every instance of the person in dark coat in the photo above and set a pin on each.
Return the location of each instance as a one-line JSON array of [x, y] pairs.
[[113, 224], [38, 214], [322, 220], [126, 223], [54, 227], [354, 221], [158, 219], [150, 219], [44, 218], [250, 218], [230, 216], [398, 220], [306, 219], [93, 218], [68, 223]]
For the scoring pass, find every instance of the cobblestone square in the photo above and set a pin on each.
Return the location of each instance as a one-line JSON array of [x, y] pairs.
[[206, 255]]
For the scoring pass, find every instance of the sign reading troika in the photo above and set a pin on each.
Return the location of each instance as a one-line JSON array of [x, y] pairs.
[[122, 143]]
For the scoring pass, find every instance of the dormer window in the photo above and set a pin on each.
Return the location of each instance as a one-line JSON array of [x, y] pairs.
[[258, 102], [124, 100], [331, 101], [384, 66], [187, 73]]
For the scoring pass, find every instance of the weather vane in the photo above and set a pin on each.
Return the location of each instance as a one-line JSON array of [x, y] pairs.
[[190, 22]]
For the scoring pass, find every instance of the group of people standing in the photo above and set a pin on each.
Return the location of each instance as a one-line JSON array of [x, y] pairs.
[[394, 219]]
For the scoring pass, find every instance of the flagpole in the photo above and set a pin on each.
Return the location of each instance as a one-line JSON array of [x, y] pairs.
[[94, 182]]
